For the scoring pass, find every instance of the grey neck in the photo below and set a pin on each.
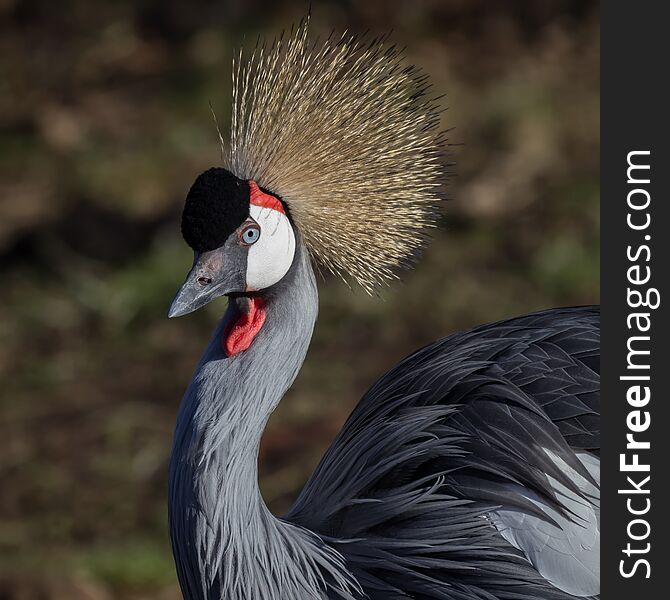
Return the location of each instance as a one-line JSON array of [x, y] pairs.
[[226, 542]]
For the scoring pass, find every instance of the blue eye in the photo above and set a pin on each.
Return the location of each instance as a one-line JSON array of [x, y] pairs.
[[251, 234]]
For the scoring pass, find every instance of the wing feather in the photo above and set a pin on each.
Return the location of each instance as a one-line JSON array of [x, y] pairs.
[[470, 470]]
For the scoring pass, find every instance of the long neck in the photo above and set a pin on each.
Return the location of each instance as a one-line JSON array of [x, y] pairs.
[[226, 543]]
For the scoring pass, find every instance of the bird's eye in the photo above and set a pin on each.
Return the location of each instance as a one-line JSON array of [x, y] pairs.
[[250, 235]]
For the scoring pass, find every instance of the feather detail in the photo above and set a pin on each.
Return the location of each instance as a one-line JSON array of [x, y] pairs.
[[349, 139]]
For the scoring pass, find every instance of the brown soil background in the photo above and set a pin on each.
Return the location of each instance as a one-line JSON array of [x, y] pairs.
[[105, 122]]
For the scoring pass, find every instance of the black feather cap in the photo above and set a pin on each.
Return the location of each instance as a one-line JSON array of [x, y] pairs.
[[216, 205]]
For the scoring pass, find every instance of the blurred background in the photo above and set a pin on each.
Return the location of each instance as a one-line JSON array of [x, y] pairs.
[[105, 122]]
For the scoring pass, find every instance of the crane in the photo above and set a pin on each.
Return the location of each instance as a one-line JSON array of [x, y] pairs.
[[470, 471]]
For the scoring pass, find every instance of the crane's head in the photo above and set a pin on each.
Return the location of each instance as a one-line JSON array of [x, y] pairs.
[[242, 239], [347, 140]]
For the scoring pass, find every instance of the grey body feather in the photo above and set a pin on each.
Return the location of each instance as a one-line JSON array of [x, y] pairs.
[[225, 541], [565, 548], [468, 472]]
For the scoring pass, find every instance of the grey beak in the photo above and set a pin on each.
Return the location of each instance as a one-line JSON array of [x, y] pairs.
[[191, 296], [201, 286]]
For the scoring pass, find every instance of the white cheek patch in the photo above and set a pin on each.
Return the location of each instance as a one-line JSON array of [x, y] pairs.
[[270, 258]]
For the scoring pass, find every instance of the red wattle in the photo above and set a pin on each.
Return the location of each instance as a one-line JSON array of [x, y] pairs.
[[238, 336]]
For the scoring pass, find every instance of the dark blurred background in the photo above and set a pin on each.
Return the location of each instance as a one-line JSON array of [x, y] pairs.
[[104, 123]]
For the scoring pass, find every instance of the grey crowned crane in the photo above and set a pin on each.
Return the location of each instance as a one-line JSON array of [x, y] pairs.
[[470, 471]]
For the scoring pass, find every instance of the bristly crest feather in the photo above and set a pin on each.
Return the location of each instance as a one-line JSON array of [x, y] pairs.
[[349, 139]]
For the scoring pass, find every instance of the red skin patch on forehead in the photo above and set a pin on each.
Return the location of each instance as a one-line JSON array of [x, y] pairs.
[[258, 197]]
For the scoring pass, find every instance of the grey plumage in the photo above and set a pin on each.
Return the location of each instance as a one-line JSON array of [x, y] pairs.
[[225, 541], [407, 500], [456, 432], [470, 471]]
